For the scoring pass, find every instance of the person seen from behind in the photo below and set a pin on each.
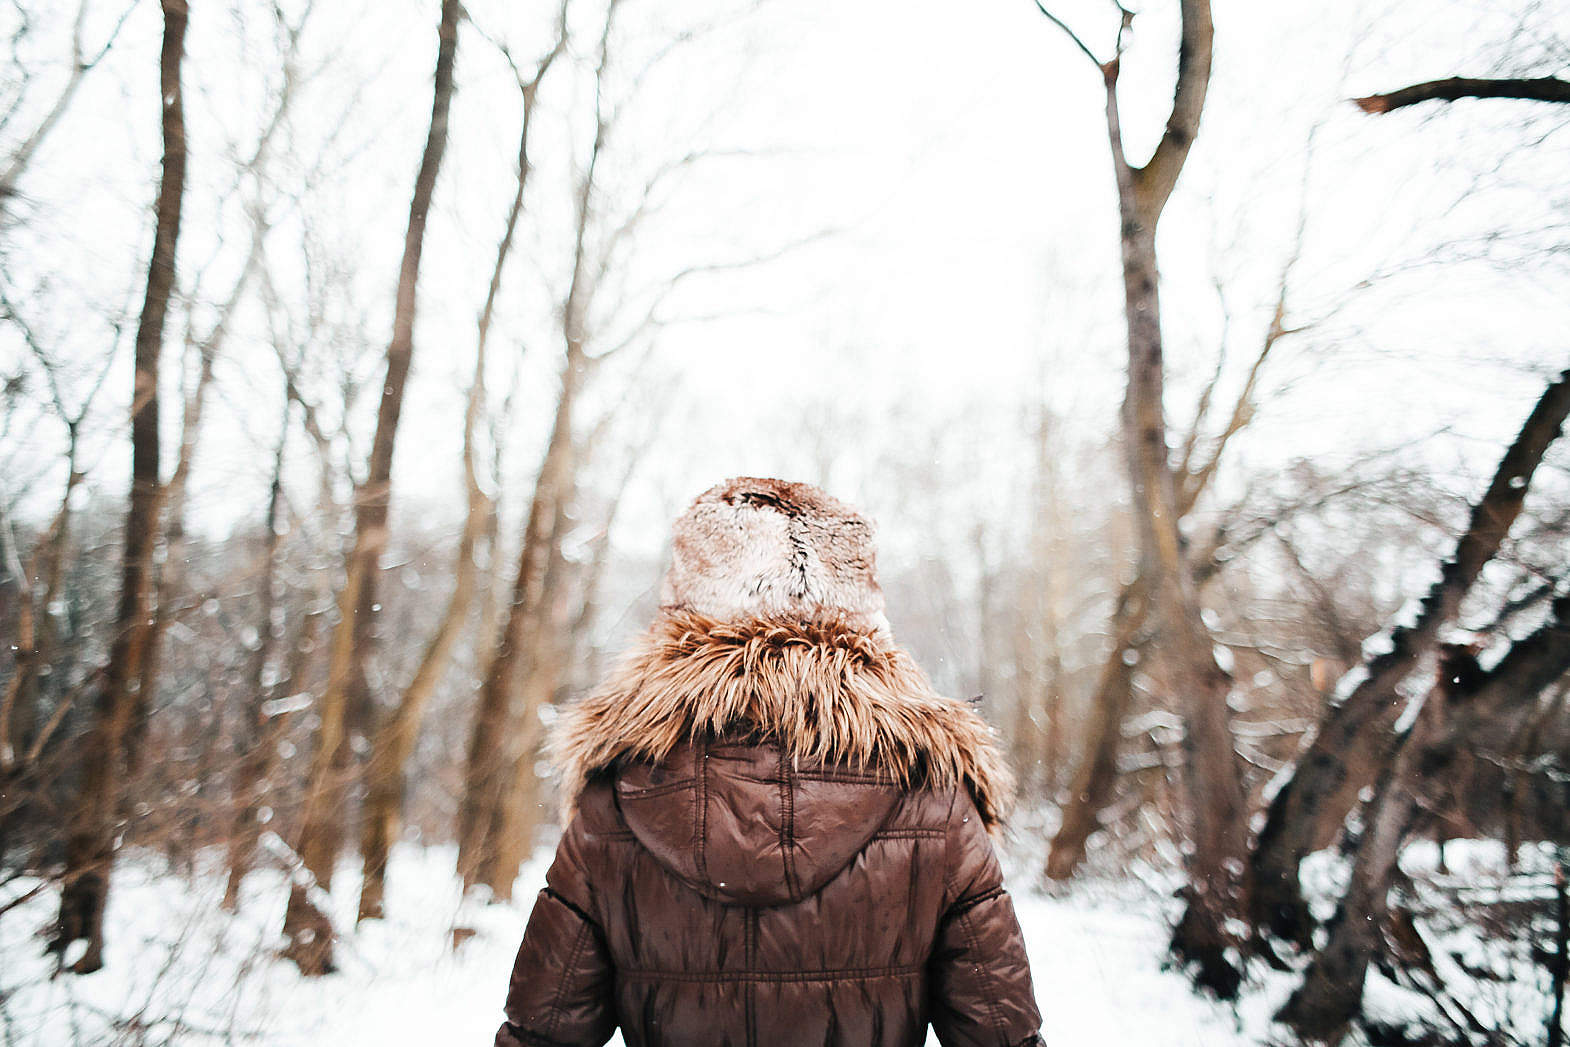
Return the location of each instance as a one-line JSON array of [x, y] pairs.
[[780, 833]]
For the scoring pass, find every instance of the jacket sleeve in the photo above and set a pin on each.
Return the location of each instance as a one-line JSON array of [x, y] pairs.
[[561, 986], [978, 975]]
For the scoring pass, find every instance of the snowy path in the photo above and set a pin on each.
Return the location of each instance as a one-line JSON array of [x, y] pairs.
[[198, 977]]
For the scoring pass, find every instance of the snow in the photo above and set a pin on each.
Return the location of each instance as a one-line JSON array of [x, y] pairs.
[[193, 975]]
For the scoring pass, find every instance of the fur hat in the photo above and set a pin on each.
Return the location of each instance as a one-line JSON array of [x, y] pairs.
[[761, 548]]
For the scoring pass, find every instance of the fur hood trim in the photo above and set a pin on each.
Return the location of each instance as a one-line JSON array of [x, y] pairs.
[[826, 691]]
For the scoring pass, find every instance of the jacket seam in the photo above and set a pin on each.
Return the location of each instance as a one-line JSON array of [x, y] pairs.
[[800, 776], [578, 942], [701, 816], [627, 792], [964, 906], [847, 778], [848, 974], [618, 836], [908, 834], [750, 994], [948, 851], [527, 1038], [985, 969], [788, 829]]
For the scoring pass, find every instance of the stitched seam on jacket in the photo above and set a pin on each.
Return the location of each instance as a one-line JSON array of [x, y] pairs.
[[578, 943], [701, 816], [648, 792], [750, 995], [527, 1038], [809, 776], [948, 866], [991, 988], [847, 975], [787, 830], [848, 778], [961, 907], [908, 834]]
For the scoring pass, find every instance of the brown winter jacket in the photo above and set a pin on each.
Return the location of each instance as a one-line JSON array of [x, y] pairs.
[[781, 837]]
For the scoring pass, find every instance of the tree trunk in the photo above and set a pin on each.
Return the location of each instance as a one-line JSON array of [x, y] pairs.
[[1212, 783], [91, 831], [1097, 774], [252, 724], [1560, 973], [1211, 779], [394, 742], [493, 832], [1354, 737], [169, 577], [515, 821], [346, 696], [505, 729]]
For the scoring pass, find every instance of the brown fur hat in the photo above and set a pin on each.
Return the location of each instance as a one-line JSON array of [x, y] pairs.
[[754, 548]]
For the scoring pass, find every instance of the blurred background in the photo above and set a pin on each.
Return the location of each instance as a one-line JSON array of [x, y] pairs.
[[355, 358]]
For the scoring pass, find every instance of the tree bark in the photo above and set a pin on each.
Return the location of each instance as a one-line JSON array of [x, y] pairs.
[[1211, 779], [394, 742], [1451, 89], [1097, 773], [90, 837], [1354, 739], [252, 724], [1426, 770], [1560, 974], [495, 827], [308, 930], [505, 730]]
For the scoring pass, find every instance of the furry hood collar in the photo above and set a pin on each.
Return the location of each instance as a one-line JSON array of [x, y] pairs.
[[826, 691]]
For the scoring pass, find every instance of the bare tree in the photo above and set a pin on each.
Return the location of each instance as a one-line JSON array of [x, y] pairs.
[[395, 740], [1092, 787], [206, 349], [22, 738], [1428, 768], [1354, 738], [90, 838], [1212, 783], [82, 63], [493, 829], [308, 929], [252, 724]]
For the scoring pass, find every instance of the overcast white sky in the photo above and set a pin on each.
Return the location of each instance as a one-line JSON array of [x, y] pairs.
[[957, 152]]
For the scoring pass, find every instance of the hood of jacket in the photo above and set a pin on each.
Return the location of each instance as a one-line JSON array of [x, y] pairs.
[[754, 759], [742, 823]]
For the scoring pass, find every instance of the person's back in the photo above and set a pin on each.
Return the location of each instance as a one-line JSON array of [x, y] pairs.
[[781, 831]]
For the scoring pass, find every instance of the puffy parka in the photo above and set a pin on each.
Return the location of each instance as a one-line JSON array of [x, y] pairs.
[[740, 890]]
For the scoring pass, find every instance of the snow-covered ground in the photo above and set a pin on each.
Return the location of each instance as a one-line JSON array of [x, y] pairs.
[[179, 971]]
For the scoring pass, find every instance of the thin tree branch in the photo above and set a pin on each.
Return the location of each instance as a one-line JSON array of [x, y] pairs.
[[1451, 89], [1088, 53]]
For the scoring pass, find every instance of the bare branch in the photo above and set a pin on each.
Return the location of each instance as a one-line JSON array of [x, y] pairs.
[[1455, 88], [1159, 176], [1085, 50]]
